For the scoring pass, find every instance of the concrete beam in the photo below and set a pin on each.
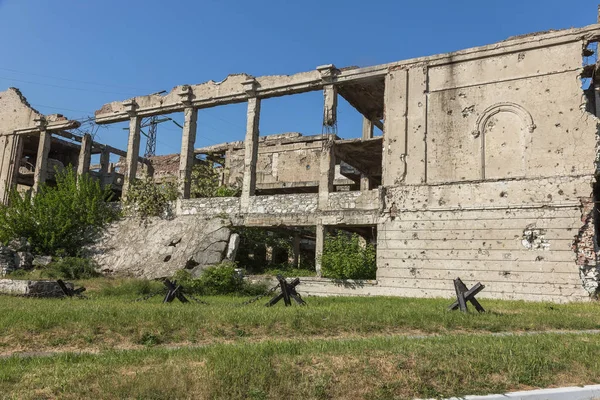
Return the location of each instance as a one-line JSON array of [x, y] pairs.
[[232, 90], [85, 155], [186, 159], [52, 127], [250, 152], [133, 151]]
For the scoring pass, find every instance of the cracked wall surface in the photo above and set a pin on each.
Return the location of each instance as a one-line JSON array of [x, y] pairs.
[[161, 247], [15, 113], [485, 164], [585, 247]]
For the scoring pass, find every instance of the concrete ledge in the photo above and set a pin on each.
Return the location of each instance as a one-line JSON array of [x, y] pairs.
[[314, 286], [590, 392], [32, 288]]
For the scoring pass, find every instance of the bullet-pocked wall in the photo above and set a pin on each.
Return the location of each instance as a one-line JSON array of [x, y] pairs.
[[489, 157]]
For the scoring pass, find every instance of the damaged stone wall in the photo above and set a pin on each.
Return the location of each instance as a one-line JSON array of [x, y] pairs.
[[486, 161], [15, 113], [354, 200], [279, 164], [585, 248], [159, 247]]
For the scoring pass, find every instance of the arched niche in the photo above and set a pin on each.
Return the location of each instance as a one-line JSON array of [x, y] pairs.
[[504, 130]]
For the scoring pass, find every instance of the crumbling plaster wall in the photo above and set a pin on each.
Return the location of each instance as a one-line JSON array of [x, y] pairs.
[[15, 113], [486, 164], [278, 165]]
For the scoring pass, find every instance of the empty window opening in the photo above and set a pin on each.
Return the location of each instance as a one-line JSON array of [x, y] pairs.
[[349, 252], [299, 114], [286, 250]]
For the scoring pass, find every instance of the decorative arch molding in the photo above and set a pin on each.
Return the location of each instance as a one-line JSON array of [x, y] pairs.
[[492, 110], [482, 121]]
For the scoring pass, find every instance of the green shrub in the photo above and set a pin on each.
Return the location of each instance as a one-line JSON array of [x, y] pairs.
[[147, 198], [72, 268], [218, 279], [60, 220], [205, 181], [221, 279], [344, 257]]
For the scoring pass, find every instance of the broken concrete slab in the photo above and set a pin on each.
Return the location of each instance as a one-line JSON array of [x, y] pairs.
[[162, 247], [43, 288]]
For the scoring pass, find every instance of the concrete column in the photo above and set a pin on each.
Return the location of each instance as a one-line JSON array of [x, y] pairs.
[[395, 128], [416, 127], [367, 133], [296, 251], [597, 98], [327, 170], [250, 152], [227, 166], [41, 162], [186, 159], [133, 153], [104, 166], [330, 106], [85, 155], [148, 170], [328, 73], [367, 128], [11, 149], [104, 162], [320, 243]]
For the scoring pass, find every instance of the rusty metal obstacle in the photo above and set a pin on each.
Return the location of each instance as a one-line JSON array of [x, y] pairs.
[[464, 295]]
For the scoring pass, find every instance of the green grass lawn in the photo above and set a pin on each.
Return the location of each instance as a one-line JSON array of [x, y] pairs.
[[378, 368], [110, 319], [363, 348]]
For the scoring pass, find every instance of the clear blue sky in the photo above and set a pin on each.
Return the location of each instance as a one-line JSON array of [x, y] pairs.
[[72, 56]]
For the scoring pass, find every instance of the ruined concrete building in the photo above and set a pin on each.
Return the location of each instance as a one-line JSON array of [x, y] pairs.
[[33, 147], [485, 170]]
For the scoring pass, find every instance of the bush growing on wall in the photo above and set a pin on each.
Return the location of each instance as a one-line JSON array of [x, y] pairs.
[[205, 182], [344, 257], [60, 220], [147, 198]]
